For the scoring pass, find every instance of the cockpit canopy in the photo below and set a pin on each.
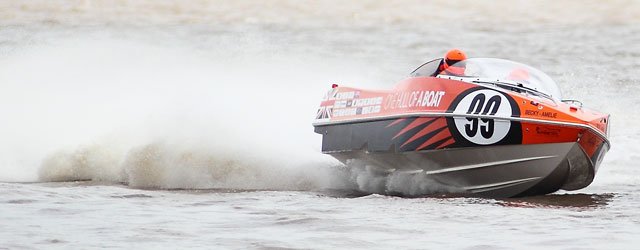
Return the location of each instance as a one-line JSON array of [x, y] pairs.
[[499, 72]]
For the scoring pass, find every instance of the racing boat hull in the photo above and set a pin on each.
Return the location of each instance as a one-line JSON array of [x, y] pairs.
[[490, 171]]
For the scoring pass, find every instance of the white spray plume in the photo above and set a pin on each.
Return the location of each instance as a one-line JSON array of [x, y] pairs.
[[154, 117]]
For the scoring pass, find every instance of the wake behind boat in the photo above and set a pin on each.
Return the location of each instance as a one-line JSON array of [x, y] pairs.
[[495, 128]]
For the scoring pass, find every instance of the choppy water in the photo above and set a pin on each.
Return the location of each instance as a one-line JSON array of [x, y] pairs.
[[188, 124]]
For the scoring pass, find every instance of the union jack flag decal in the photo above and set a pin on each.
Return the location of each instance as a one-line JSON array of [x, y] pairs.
[[324, 112]]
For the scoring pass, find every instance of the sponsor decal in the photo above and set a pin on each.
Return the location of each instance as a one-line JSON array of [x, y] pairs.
[[358, 106], [358, 102], [370, 109], [348, 104], [356, 111], [367, 102], [346, 95], [422, 98], [484, 130], [345, 112], [340, 104], [541, 113], [548, 131]]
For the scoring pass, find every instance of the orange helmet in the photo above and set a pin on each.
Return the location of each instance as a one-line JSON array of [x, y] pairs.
[[454, 56]]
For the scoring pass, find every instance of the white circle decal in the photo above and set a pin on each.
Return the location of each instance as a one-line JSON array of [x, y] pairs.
[[485, 103]]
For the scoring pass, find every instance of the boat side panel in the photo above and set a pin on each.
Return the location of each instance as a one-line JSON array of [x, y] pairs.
[[425, 133], [436, 95], [396, 135]]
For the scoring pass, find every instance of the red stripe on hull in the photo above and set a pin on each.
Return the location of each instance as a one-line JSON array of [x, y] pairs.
[[440, 123], [447, 143], [413, 124], [395, 122], [438, 137]]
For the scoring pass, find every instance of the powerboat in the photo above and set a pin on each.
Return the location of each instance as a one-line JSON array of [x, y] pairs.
[[498, 129]]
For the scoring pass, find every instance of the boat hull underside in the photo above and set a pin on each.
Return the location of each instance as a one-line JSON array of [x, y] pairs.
[[493, 171]]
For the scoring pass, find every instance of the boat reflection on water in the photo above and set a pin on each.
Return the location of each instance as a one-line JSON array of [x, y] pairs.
[[579, 201], [560, 201]]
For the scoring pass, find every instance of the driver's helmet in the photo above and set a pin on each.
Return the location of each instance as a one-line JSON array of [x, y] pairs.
[[452, 57]]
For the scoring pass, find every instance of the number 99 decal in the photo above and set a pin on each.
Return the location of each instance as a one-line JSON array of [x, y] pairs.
[[485, 130]]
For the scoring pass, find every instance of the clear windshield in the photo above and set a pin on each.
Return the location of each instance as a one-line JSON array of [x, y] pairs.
[[500, 71]]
